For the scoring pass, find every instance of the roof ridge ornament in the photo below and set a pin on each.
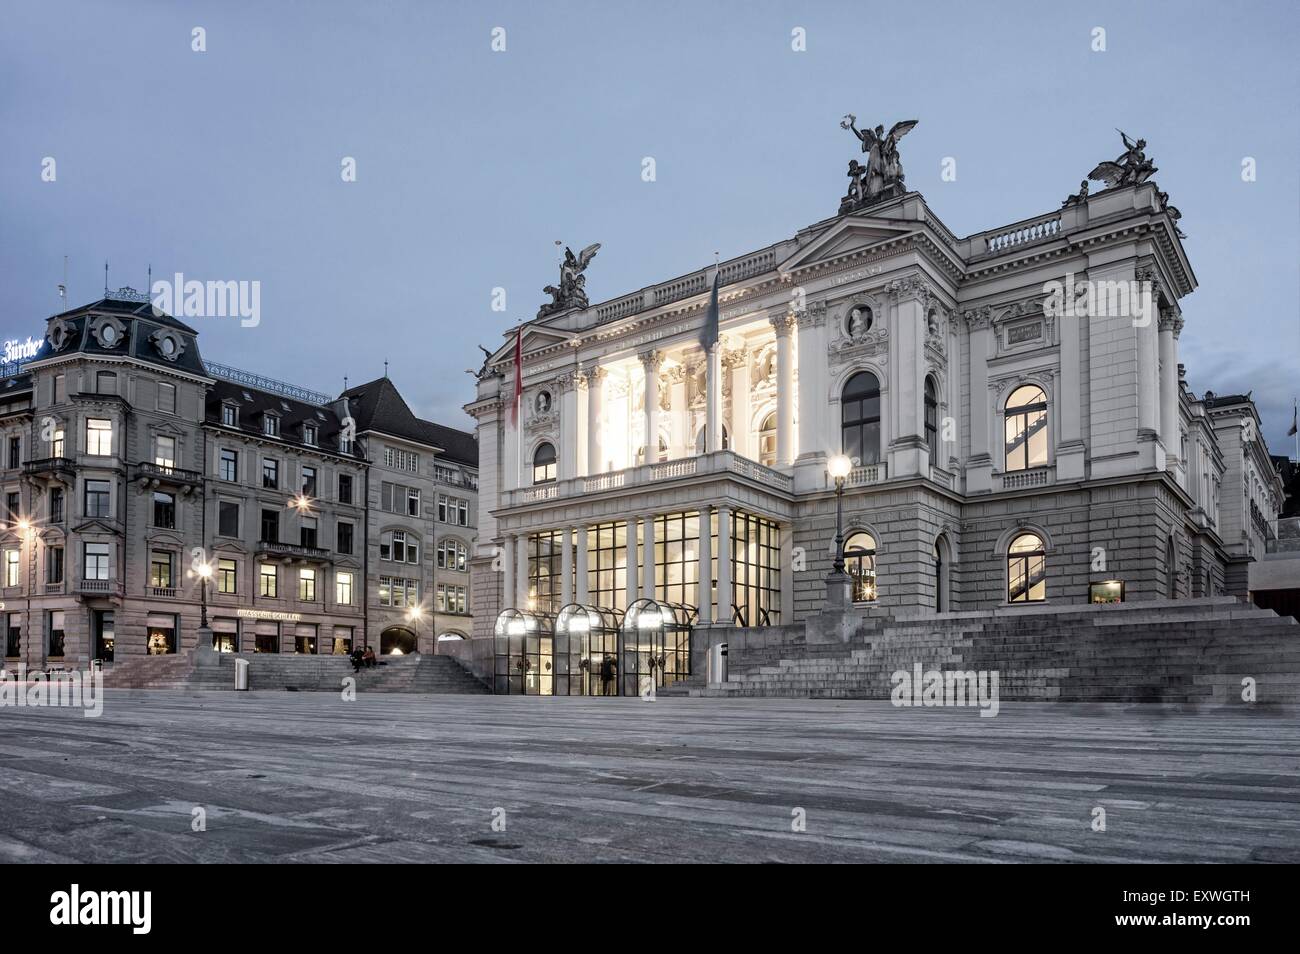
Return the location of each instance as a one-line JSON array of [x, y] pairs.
[[1131, 167], [881, 177]]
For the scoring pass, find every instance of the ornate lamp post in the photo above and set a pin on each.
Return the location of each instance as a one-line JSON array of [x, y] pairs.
[[413, 617], [837, 581]]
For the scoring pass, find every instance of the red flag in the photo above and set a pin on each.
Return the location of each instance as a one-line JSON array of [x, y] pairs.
[[519, 377]]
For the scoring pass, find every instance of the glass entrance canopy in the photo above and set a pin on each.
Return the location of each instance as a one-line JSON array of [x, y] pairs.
[[524, 663], [656, 644]]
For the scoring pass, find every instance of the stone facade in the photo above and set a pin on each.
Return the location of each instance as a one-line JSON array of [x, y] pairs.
[[129, 463], [1019, 381]]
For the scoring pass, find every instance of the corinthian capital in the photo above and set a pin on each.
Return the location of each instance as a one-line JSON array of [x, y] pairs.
[[782, 323], [651, 360]]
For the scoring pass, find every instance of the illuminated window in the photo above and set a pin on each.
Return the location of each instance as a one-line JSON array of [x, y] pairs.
[[99, 437], [1026, 428], [268, 579], [1026, 570], [860, 564], [307, 585], [343, 588]]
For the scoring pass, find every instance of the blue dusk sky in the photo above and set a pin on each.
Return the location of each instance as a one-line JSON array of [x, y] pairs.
[[225, 164]]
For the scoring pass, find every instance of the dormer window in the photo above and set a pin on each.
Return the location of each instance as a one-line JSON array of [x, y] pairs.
[[230, 415], [271, 425], [309, 434]]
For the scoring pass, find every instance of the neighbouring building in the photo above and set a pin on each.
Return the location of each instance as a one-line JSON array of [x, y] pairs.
[[1012, 403], [130, 463]]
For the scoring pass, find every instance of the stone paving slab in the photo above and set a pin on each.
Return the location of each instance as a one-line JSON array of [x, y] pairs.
[[307, 777]]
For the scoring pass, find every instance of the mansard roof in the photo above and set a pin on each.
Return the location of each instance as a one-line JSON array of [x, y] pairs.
[[378, 406], [255, 404]]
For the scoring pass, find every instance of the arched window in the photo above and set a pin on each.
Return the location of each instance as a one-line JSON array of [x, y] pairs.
[[860, 563], [1026, 569], [544, 464], [860, 418], [767, 441], [932, 421], [1026, 428], [699, 441]]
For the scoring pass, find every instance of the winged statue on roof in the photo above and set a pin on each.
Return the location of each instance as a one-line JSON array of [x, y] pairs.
[[572, 290]]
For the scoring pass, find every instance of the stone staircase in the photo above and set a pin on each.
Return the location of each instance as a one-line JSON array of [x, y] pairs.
[[1186, 652], [271, 671]]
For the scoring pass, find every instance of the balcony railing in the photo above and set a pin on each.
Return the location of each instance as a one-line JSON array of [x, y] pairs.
[[167, 592], [1021, 479], [648, 475], [98, 586], [866, 474], [50, 465], [168, 474], [293, 550]]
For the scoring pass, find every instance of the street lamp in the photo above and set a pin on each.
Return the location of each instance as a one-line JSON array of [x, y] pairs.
[[413, 616], [204, 571], [837, 581]]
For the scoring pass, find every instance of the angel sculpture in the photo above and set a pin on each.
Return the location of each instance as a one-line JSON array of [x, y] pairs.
[[571, 292], [1130, 168], [884, 169]]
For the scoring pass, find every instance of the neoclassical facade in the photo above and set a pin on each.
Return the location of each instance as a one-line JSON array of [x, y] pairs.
[[1012, 401]]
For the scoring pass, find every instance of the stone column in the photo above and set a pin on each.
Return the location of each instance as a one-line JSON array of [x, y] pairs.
[[725, 595], [650, 362], [979, 467], [1145, 326], [566, 566], [510, 440], [648, 589], [583, 594], [1171, 326], [705, 599], [736, 365], [785, 451], [568, 410], [508, 589], [633, 565], [814, 385], [713, 405], [595, 387], [908, 453], [521, 571], [1070, 450], [679, 436]]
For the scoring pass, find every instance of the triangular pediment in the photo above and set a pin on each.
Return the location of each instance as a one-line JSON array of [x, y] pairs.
[[848, 235], [535, 339]]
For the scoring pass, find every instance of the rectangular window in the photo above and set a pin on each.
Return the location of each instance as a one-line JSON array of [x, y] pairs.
[[97, 498], [164, 510], [15, 452], [230, 415], [270, 526], [343, 589], [12, 567], [344, 538], [54, 565], [268, 580], [13, 508], [14, 635], [166, 397], [270, 425], [160, 569], [228, 468], [57, 621], [56, 443], [307, 585], [60, 389], [164, 454], [95, 564], [345, 488], [227, 518], [462, 513], [227, 576], [309, 434], [56, 505], [307, 532], [412, 502], [99, 437], [309, 481], [270, 474], [442, 509]]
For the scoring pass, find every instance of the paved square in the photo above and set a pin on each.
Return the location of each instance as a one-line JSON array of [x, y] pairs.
[[307, 777]]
